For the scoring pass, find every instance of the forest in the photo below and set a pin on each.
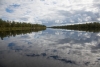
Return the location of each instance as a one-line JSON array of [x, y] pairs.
[[90, 27], [12, 25]]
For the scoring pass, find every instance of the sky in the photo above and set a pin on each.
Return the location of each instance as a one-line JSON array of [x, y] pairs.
[[50, 12]]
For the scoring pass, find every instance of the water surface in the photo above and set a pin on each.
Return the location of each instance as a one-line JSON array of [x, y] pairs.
[[50, 48]]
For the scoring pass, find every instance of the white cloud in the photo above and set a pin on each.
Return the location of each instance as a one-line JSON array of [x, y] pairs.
[[50, 10]]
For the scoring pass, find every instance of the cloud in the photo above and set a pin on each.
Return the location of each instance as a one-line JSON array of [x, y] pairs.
[[42, 0], [66, 11], [24, 19]]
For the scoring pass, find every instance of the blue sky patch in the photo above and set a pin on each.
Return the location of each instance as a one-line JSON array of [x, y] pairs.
[[10, 8], [15, 5]]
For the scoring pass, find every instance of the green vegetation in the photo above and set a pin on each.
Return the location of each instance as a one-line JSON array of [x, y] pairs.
[[90, 27], [8, 26]]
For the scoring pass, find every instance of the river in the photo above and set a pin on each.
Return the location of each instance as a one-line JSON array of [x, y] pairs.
[[50, 48]]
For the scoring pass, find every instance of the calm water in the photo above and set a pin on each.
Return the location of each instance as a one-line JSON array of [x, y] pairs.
[[51, 48]]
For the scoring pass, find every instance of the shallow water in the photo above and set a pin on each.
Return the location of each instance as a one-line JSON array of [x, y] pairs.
[[51, 48]]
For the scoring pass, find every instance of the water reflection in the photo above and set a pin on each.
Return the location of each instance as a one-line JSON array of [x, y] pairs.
[[53, 48], [87, 29], [17, 32]]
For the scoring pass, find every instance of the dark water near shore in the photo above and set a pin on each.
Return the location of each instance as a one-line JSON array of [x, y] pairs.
[[50, 48]]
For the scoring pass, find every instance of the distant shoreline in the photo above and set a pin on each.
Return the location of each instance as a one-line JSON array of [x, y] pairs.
[[91, 27]]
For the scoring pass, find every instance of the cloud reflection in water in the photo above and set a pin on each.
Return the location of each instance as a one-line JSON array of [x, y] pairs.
[[65, 47]]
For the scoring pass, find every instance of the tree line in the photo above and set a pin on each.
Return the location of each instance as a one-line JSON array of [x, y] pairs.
[[12, 28], [91, 27], [13, 24]]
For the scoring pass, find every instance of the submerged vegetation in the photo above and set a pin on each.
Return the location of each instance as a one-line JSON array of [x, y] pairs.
[[90, 27], [8, 26]]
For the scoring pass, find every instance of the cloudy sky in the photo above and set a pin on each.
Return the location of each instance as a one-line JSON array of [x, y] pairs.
[[50, 12]]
